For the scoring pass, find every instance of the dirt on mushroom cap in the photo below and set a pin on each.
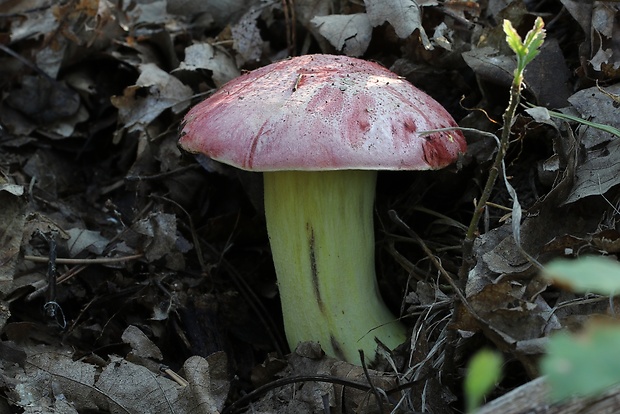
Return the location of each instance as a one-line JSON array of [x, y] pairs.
[[319, 112]]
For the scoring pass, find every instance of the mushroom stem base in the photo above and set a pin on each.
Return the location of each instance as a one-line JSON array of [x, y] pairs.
[[321, 232]]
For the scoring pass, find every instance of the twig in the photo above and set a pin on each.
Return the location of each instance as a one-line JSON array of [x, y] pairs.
[[99, 260], [374, 389]]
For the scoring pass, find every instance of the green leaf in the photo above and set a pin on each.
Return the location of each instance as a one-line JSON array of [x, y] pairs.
[[534, 40], [526, 50], [513, 39], [589, 274], [483, 372], [582, 365], [602, 127]]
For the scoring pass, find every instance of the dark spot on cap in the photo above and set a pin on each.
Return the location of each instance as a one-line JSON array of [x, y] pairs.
[[364, 125], [410, 126]]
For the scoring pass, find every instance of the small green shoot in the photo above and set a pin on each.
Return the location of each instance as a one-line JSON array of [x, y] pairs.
[[483, 373], [526, 50]]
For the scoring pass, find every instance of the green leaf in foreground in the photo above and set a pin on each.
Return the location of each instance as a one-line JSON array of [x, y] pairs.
[[582, 365], [483, 372], [589, 274]]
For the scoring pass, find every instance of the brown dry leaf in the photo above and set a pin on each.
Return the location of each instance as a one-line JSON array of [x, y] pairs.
[[490, 65], [89, 240], [44, 100], [134, 388], [15, 189], [49, 172], [247, 39], [547, 76], [604, 38], [12, 221], [443, 36], [163, 91], [51, 379], [306, 10], [140, 344], [151, 13], [481, 275], [220, 11], [510, 320], [159, 231], [10, 352], [506, 308], [209, 383], [204, 56], [599, 21], [15, 122], [350, 33], [599, 169], [37, 23], [403, 15]]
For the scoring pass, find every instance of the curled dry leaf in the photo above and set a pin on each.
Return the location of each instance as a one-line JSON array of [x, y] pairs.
[[164, 91], [204, 56], [403, 15], [350, 33]]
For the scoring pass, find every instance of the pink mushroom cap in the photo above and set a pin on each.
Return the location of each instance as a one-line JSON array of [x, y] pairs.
[[322, 112]]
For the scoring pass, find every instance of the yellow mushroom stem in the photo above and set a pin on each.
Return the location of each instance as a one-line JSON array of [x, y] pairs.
[[320, 226]]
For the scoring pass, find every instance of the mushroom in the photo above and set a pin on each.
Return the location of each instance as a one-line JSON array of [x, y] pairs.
[[319, 127]]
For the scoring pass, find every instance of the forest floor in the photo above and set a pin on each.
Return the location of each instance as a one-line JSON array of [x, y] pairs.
[[136, 278]]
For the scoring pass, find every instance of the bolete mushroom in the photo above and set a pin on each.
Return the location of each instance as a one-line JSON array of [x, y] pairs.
[[319, 127]]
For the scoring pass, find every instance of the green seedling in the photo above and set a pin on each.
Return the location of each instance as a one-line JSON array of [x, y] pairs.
[[525, 50]]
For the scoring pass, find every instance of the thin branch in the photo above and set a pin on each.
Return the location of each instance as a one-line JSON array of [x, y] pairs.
[[99, 260]]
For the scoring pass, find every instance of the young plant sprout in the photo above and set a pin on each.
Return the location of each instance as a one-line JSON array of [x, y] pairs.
[[319, 127]]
